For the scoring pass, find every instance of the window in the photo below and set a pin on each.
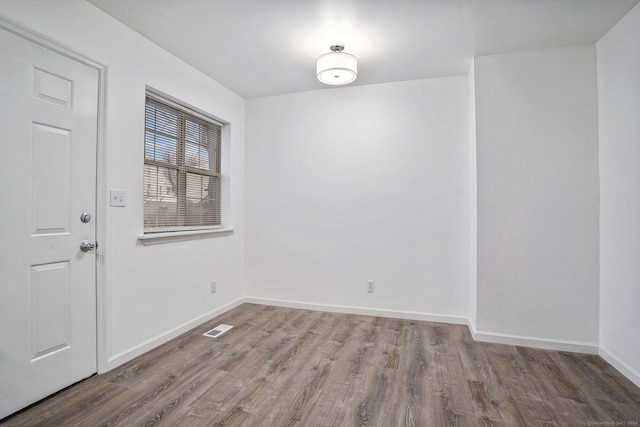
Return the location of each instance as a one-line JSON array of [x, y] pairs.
[[181, 168]]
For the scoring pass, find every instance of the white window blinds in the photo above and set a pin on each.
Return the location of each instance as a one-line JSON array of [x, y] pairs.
[[181, 169]]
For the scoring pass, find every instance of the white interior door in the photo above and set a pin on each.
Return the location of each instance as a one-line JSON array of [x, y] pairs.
[[48, 134]]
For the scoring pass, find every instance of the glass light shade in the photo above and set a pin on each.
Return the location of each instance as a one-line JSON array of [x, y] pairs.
[[337, 68]]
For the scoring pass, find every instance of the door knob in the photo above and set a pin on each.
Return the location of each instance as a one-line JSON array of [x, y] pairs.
[[86, 246]]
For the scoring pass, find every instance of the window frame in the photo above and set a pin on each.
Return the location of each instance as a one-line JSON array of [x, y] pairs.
[[185, 113]]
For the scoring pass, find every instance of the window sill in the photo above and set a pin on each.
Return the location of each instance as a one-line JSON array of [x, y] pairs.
[[177, 236]]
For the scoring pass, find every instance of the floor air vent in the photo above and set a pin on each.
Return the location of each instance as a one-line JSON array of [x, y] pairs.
[[217, 331]]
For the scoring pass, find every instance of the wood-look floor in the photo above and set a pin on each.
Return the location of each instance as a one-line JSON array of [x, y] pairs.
[[287, 367]]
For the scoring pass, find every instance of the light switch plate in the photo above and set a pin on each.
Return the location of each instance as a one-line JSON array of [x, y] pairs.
[[117, 198]]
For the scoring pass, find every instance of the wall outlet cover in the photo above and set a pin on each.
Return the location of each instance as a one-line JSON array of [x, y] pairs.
[[371, 286]]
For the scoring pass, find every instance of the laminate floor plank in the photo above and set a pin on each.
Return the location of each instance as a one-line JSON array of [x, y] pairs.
[[449, 391], [468, 351], [289, 367], [504, 380], [529, 391], [562, 389], [609, 400]]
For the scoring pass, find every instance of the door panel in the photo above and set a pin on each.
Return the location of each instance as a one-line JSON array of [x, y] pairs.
[[51, 179], [48, 131], [50, 306], [51, 88]]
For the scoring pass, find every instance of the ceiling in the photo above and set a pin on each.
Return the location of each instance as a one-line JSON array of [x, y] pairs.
[[259, 47]]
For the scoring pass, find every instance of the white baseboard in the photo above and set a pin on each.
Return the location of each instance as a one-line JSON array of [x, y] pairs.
[[407, 315], [154, 342], [472, 327], [621, 366], [524, 341]]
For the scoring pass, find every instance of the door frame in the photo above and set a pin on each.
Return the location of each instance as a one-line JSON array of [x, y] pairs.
[[102, 349]]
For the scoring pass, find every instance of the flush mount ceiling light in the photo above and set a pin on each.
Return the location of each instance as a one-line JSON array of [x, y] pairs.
[[337, 67]]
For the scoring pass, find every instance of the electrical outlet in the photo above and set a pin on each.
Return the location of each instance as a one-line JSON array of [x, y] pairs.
[[371, 286], [213, 287]]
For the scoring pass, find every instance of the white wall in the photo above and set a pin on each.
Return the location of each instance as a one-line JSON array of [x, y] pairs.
[[150, 290], [619, 126], [361, 183], [473, 198], [537, 160]]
